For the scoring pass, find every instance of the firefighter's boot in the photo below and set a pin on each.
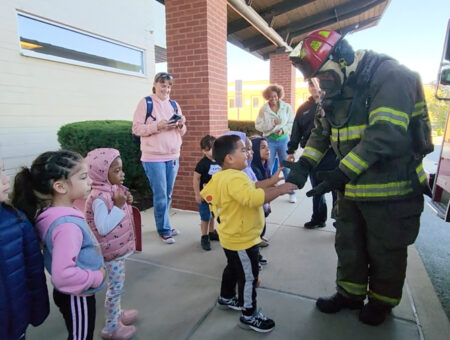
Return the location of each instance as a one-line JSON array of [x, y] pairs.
[[335, 303], [374, 313]]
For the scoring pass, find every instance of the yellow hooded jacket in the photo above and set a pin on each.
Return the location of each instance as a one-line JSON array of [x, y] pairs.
[[234, 199]]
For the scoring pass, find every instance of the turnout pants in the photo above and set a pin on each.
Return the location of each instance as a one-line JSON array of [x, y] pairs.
[[242, 269], [371, 244]]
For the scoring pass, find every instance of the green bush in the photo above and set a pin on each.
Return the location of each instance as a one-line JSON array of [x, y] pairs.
[[83, 137], [247, 126]]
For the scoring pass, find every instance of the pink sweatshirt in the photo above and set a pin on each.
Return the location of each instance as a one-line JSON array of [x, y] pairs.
[[67, 239], [157, 146]]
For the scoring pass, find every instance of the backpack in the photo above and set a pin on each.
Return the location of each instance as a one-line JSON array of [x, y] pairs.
[[148, 99]]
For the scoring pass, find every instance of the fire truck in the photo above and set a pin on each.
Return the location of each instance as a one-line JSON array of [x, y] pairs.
[[440, 182]]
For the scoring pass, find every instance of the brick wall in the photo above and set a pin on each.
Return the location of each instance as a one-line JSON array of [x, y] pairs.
[[283, 73], [196, 34]]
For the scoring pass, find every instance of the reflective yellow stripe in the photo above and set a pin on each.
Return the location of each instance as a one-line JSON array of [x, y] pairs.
[[419, 109], [312, 153], [378, 190], [389, 115], [421, 173], [388, 300], [354, 163], [348, 133], [353, 288]]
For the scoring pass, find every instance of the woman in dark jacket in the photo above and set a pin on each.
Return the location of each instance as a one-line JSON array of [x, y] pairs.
[[23, 289]]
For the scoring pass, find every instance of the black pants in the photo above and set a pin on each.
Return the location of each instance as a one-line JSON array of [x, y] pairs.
[[241, 270], [78, 313]]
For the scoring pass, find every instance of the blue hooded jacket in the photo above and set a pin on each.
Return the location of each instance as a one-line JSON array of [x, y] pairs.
[[23, 288], [261, 170]]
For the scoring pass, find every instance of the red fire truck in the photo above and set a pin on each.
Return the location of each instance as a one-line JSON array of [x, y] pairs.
[[440, 201]]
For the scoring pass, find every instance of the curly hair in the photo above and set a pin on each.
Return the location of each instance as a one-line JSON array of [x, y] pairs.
[[273, 88]]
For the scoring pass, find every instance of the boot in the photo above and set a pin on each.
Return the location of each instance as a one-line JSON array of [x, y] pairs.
[[204, 241], [128, 316], [374, 313], [335, 303], [213, 236], [121, 332]]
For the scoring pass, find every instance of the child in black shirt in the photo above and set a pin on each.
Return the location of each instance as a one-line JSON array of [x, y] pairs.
[[203, 172]]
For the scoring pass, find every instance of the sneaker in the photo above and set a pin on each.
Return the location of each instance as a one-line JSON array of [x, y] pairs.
[[121, 332], [335, 303], [259, 266], [175, 232], [168, 239], [214, 236], [374, 313], [292, 198], [314, 225], [128, 316], [262, 260], [232, 303], [257, 322], [204, 242]]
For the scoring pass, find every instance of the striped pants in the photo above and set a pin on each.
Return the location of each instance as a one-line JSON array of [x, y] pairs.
[[241, 270], [78, 313]]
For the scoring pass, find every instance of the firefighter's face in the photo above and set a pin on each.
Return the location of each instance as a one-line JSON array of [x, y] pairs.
[[331, 79]]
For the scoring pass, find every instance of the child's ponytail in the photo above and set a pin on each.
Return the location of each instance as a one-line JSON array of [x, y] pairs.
[[23, 197]]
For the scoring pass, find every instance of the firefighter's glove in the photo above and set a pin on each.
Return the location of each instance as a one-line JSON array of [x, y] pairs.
[[299, 172], [331, 180]]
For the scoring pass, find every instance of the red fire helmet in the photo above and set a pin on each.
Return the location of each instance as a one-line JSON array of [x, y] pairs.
[[313, 51]]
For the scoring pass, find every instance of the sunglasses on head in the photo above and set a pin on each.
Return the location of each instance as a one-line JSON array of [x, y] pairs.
[[163, 75]]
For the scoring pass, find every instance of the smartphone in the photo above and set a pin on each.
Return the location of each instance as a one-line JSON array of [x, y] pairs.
[[174, 118]]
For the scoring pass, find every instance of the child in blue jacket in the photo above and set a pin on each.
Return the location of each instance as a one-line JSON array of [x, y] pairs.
[[23, 290]]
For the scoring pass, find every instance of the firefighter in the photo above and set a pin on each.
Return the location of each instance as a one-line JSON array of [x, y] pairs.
[[375, 117]]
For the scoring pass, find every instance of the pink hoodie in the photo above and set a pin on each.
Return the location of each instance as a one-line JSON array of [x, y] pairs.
[[157, 146], [67, 239]]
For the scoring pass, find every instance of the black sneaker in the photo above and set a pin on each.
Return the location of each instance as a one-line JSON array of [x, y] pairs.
[[374, 313], [335, 303], [257, 322], [314, 225], [232, 303], [204, 241], [262, 260], [214, 236]]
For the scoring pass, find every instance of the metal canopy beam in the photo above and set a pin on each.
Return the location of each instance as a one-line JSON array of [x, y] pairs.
[[319, 20], [268, 14]]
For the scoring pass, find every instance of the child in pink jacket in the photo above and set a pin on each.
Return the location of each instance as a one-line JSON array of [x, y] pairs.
[[108, 213]]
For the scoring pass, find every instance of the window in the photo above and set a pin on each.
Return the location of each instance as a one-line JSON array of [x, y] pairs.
[[45, 40], [255, 102], [231, 104]]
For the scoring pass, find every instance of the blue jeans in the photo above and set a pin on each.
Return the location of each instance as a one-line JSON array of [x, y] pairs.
[[161, 176], [327, 163], [278, 148]]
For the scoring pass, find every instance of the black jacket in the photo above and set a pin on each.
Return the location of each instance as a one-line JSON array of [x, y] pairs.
[[303, 124]]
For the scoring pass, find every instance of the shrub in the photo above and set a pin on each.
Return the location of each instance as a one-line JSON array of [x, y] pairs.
[[247, 126], [85, 136]]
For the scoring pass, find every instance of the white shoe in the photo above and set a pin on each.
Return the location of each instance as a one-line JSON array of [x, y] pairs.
[[292, 198]]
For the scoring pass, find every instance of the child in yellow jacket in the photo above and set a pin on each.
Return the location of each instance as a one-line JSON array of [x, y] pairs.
[[237, 205]]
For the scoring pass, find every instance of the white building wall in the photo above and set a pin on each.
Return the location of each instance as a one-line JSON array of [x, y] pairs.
[[38, 96]]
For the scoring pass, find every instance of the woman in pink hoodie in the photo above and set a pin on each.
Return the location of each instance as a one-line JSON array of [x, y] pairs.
[[108, 213], [45, 192], [160, 146]]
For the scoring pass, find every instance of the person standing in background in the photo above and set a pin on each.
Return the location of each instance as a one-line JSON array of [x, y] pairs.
[[275, 120]]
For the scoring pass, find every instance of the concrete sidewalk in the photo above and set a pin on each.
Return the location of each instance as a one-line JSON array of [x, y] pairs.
[[175, 287]]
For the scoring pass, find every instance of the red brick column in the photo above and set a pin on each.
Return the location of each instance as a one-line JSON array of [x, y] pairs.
[[196, 35], [283, 73]]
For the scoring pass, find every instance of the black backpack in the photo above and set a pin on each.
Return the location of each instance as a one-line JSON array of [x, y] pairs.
[[137, 139]]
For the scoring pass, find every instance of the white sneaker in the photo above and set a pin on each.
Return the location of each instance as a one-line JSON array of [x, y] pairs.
[[168, 239], [292, 198]]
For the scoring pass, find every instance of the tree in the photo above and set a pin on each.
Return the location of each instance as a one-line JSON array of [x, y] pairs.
[[437, 109]]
